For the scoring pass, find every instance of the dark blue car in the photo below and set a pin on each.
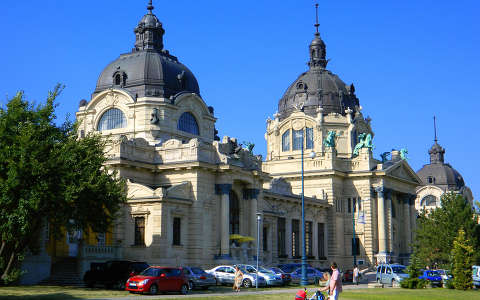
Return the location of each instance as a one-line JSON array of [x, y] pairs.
[[433, 277]]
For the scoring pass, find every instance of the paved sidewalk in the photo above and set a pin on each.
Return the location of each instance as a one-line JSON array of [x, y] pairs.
[[244, 292]]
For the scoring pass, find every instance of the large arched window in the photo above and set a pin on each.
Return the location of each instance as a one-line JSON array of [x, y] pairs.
[[286, 141], [429, 200], [112, 119], [188, 123], [309, 136], [297, 139], [234, 213]]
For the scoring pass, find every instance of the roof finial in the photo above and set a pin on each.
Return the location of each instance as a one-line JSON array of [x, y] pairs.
[[150, 7], [435, 129], [316, 18]]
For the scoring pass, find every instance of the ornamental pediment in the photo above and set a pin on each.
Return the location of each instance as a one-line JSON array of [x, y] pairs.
[[403, 171]]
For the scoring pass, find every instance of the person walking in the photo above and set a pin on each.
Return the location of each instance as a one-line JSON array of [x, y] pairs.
[[335, 282], [238, 279], [356, 272]]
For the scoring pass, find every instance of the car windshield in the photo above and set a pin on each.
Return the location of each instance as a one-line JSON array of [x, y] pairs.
[[151, 272], [433, 273], [398, 270], [264, 270], [197, 271]]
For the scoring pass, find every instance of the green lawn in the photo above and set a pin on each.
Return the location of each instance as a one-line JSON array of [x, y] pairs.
[[64, 293]]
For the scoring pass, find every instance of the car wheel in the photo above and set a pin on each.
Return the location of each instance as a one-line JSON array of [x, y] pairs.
[[153, 289], [247, 283], [184, 289], [190, 285]]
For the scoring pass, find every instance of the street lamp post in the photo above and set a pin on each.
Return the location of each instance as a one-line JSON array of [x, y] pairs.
[[354, 250], [304, 280], [259, 218]]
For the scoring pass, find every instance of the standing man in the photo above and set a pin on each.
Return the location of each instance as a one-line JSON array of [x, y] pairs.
[[335, 282], [355, 275]]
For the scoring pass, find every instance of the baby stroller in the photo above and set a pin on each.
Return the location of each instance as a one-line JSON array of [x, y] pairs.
[[302, 295]]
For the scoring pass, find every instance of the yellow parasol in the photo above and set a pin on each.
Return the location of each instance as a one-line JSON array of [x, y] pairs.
[[236, 236]]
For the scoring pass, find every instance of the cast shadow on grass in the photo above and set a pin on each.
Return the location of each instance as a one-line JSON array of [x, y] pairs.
[[55, 296]]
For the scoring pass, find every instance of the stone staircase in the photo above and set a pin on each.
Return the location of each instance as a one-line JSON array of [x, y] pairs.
[[64, 273]]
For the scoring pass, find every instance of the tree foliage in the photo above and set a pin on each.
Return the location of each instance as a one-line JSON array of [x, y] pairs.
[[48, 174], [462, 256], [414, 271], [438, 228]]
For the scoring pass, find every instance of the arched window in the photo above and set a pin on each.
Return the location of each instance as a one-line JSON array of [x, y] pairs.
[[286, 141], [112, 119], [188, 123], [309, 135], [429, 200], [118, 79], [234, 213], [297, 139]]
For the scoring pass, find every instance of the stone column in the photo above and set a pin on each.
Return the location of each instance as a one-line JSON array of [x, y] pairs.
[[224, 191], [251, 195], [408, 227], [382, 235]]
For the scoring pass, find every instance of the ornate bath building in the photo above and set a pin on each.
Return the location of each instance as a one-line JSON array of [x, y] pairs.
[[193, 197]]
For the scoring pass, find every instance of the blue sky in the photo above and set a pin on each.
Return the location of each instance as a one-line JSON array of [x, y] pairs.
[[409, 60]]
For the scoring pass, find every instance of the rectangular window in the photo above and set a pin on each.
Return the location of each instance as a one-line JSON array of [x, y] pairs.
[[308, 238], [349, 205], [354, 205], [309, 135], [297, 139], [176, 231], [355, 246], [281, 237], [101, 239], [265, 238], [286, 141], [359, 201], [139, 231], [295, 238], [321, 240]]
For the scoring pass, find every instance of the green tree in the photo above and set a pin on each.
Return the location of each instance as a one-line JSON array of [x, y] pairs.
[[48, 174], [462, 258], [414, 271], [437, 229]]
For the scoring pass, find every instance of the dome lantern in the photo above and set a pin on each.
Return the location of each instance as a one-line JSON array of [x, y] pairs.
[[149, 32]]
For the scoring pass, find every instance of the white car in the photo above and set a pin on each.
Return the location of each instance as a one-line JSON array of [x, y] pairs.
[[226, 275]]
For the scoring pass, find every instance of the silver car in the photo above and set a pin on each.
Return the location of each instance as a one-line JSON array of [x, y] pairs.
[[226, 275], [391, 274], [198, 278], [271, 277]]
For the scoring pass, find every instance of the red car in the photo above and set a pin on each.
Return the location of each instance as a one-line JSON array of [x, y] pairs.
[[158, 279]]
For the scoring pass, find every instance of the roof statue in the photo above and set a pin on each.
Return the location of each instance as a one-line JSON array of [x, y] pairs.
[[329, 141], [403, 153], [249, 146], [385, 156], [364, 141]]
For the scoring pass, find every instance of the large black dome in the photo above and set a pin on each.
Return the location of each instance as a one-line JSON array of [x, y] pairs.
[[439, 173], [318, 87], [148, 70]]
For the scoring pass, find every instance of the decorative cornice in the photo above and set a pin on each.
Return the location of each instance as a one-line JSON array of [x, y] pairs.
[[249, 194], [223, 188]]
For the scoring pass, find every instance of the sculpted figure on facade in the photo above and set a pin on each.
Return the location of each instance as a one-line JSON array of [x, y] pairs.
[[329, 141], [364, 141]]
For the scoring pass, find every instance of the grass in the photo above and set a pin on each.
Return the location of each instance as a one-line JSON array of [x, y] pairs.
[[68, 293]]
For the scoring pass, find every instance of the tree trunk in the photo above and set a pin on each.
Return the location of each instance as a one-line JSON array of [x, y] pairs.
[[7, 269], [3, 247]]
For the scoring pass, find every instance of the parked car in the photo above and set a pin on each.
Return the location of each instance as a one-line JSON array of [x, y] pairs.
[[113, 273], [289, 268], [446, 276], [313, 275], [158, 279], [226, 275], [198, 278], [271, 277], [286, 277], [476, 276], [432, 276], [391, 274], [347, 276]]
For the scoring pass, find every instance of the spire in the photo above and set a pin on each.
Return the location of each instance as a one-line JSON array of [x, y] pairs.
[[150, 7], [317, 47], [436, 152], [149, 32]]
